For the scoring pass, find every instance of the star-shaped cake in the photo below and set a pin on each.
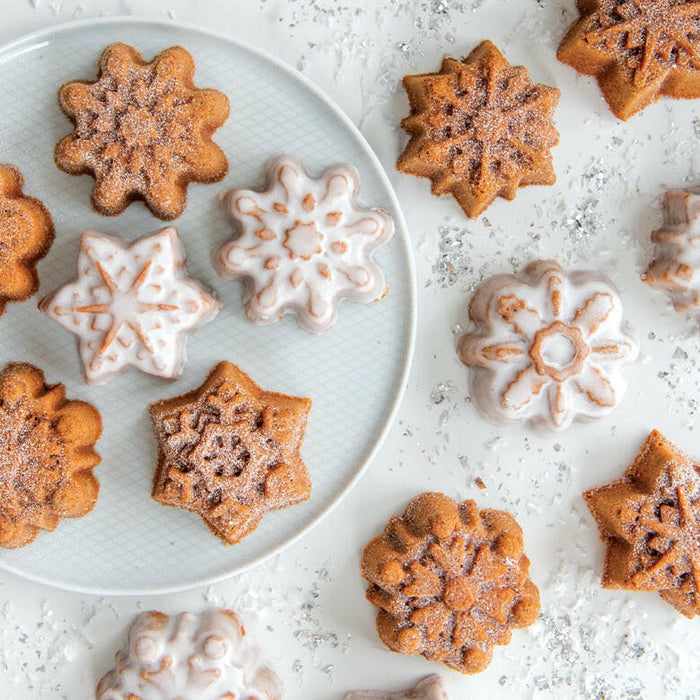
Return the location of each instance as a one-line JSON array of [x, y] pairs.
[[650, 520], [230, 452], [131, 305], [638, 50], [479, 129]]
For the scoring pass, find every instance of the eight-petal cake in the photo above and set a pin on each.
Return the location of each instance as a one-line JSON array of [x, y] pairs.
[[303, 244], [650, 520], [26, 234], [143, 130], [638, 50], [547, 347], [479, 129], [230, 452], [131, 304], [676, 270], [189, 657], [450, 581]]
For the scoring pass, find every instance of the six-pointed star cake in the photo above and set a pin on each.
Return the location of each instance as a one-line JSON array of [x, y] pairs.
[[230, 452], [428, 688], [304, 244], [650, 520], [479, 129], [26, 234], [547, 348], [131, 304], [676, 270], [450, 581], [143, 130], [638, 50]]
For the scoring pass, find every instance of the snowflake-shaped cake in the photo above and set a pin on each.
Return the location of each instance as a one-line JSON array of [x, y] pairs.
[[304, 244], [450, 581], [143, 130], [676, 270], [547, 347], [230, 452], [188, 656], [479, 129], [428, 688], [638, 50], [650, 520], [131, 304]]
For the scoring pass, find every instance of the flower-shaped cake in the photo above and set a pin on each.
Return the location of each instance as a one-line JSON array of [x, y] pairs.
[[479, 129], [450, 581], [230, 452], [188, 656], [143, 130], [304, 244], [131, 304], [26, 234], [46, 455], [547, 347], [650, 520], [638, 50], [428, 688], [676, 270]]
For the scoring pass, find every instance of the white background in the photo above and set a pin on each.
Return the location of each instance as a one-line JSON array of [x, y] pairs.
[[306, 607]]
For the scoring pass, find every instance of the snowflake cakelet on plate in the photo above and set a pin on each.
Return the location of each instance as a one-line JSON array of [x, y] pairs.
[[548, 348], [131, 304], [450, 581], [650, 520], [189, 656], [428, 688], [304, 244], [637, 50], [676, 270]]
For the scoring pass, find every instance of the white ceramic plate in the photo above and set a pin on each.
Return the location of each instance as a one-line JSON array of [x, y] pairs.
[[355, 374]]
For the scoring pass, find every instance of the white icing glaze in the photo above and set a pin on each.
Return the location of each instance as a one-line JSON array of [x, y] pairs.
[[548, 348], [429, 688], [677, 267], [189, 657], [304, 244], [131, 304]]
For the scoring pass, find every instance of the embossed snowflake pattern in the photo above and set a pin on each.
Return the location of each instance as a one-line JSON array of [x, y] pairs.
[[547, 348], [450, 581], [479, 129], [638, 50], [676, 270], [304, 244], [650, 520], [131, 304]]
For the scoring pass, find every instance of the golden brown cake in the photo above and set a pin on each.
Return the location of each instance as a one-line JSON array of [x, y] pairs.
[[637, 50], [47, 455], [479, 129], [650, 521], [26, 234], [450, 581], [230, 452], [143, 130]]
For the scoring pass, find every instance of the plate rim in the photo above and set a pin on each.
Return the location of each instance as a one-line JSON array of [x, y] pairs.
[[13, 49]]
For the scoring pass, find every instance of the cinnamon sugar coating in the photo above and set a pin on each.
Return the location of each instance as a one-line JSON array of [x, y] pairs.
[[450, 581], [637, 50], [26, 234], [650, 521], [143, 130], [479, 129], [230, 452], [47, 455]]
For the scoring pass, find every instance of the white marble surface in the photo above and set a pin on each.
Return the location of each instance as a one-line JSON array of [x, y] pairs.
[[306, 607]]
